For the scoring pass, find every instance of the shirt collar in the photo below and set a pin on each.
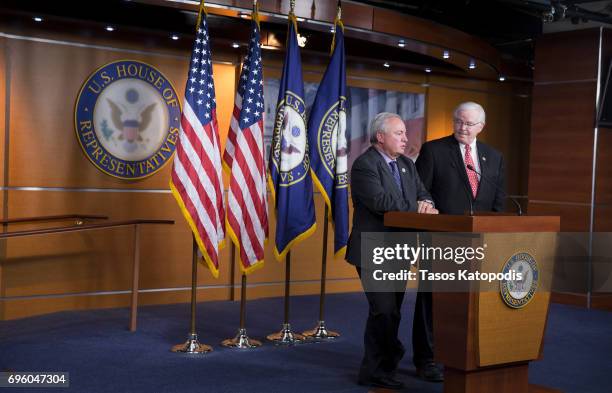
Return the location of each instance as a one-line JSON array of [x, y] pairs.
[[472, 145], [384, 155]]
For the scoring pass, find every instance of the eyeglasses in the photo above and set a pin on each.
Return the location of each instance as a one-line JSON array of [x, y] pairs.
[[460, 123]]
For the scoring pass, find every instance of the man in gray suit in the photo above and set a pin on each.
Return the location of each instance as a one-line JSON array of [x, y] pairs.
[[383, 180]]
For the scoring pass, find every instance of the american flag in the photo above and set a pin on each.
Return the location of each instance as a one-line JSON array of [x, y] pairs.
[[196, 180], [247, 206]]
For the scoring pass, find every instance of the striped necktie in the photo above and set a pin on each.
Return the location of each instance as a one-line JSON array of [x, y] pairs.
[[396, 175]]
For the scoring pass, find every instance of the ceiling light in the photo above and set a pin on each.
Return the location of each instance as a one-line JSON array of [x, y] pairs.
[[502, 78], [428, 70], [110, 28], [38, 19], [386, 64], [244, 15], [445, 54], [401, 43], [174, 37], [472, 64], [332, 29], [235, 45]]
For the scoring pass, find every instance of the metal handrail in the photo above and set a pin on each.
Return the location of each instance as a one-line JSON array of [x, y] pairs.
[[78, 228], [21, 220], [88, 227]]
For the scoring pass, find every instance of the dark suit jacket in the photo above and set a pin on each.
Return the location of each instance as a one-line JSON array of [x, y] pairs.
[[443, 173], [374, 192]]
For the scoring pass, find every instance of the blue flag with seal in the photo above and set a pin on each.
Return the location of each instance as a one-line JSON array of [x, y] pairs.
[[328, 140], [289, 164]]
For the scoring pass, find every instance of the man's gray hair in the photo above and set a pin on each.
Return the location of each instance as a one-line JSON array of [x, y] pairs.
[[469, 105], [379, 123]]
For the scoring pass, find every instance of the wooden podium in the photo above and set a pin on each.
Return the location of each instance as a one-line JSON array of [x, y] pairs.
[[485, 345]]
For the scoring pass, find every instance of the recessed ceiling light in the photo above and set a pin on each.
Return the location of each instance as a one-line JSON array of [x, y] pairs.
[[428, 70], [38, 19], [445, 54], [110, 28], [300, 19], [332, 29], [174, 37], [502, 78], [244, 15], [401, 43], [235, 45], [472, 64], [386, 64]]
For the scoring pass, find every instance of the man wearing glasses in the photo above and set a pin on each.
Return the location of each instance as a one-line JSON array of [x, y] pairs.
[[462, 174]]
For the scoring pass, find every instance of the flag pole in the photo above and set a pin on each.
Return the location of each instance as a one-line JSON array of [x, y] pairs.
[[320, 332], [192, 345], [291, 86], [286, 336], [241, 340]]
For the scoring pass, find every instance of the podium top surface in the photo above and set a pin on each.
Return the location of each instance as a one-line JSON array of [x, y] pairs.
[[476, 223]]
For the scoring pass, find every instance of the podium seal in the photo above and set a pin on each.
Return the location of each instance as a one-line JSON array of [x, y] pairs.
[[517, 293]]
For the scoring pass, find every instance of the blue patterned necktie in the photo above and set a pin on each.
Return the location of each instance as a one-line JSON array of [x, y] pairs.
[[396, 175]]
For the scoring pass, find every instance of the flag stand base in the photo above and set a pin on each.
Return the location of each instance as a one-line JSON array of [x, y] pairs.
[[192, 345], [320, 333], [241, 341], [285, 336]]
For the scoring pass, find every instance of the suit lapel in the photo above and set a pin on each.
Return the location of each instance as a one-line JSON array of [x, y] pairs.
[[455, 153], [484, 168], [384, 168]]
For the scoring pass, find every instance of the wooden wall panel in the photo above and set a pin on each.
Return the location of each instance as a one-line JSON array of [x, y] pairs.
[[47, 141], [567, 56], [603, 180], [165, 249], [562, 142], [574, 218], [603, 218]]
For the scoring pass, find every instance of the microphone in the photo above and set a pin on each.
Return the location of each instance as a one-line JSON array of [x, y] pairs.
[[518, 205], [468, 193]]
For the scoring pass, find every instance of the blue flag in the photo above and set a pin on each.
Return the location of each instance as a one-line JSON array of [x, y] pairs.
[[289, 164], [329, 143]]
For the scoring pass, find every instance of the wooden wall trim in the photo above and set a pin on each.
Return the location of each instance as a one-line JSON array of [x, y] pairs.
[[432, 33]]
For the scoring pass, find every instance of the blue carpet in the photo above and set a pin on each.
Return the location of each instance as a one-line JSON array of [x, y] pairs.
[[101, 355]]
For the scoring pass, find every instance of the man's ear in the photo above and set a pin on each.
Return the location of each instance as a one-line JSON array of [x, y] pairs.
[[379, 137]]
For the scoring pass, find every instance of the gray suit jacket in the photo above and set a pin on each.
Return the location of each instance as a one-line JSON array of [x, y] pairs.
[[374, 192]]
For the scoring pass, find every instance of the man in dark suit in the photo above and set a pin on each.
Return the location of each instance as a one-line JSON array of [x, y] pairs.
[[462, 175], [383, 180]]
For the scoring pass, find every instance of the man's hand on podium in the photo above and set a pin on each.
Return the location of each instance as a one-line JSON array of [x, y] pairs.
[[426, 207]]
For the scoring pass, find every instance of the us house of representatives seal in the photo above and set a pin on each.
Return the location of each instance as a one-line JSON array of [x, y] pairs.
[[127, 119], [332, 142], [289, 143], [517, 293]]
